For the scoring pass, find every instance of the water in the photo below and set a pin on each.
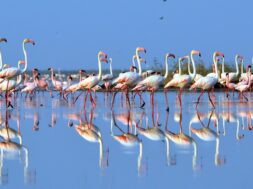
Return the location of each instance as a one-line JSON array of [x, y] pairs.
[[58, 156]]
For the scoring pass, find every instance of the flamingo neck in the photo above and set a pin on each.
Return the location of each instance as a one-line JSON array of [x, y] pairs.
[[236, 64], [242, 66], [19, 80], [179, 67], [99, 68], [194, 69], [25, 54], [215, 65], [52, 75], [223, 62], [133, 62], [80, 77], [166, 67], [249, 78], [111, 66], [189, 66], [1, 61], [139, 62]]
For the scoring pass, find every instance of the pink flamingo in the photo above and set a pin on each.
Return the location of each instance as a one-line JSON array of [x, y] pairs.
[[207, 82], [58, 85], [230, 86], [182, 81], [93, 80], [107, 78], [244, 87], [153, 82]]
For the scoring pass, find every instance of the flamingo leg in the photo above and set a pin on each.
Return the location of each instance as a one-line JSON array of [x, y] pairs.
[[166, 98], [210, 99], [245, 97], [202, 92]]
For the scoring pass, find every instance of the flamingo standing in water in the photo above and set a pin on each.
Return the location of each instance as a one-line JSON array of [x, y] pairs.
[[93, 80], [232, 75], [183, 80], [153, 82], [230, 86], [207, 82]]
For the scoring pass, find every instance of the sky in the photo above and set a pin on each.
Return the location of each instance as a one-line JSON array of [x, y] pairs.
[[69, 34]]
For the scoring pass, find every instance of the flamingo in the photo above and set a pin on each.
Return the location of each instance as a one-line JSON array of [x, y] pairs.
[[207, 82], [232, 75], [58, 85], [93, 80], [11, 72], [244, 76], [183, 80], [153, 82], [131, 78], [107, 78], [244, 87]]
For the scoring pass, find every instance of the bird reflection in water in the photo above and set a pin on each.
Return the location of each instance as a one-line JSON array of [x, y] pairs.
[[91, 133], [182, 139], [207, 134], [128, 139], [10, 149]]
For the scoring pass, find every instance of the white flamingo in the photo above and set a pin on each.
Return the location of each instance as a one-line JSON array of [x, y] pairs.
[[232, 75], [207, 82]]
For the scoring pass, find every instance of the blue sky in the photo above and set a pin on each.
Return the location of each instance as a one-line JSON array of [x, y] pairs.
[[70, 33]]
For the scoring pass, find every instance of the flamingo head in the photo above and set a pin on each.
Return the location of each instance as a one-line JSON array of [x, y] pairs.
[[103, 60], [27, 40], [21, 62], [35, 70], [70, 77], [170, 55], [139, 49], [132, 68], [219, 54], [82, 71], [50, 69], [101, 53], [3, 40], [143, 60], [227, 74], [6, 66], [239, 57], [195, 52], [185, 58], [249, 67]]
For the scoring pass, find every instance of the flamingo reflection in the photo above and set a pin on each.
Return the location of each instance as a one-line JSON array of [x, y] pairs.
[[91, 133], [128, 139], [182, 139], [207, 134]]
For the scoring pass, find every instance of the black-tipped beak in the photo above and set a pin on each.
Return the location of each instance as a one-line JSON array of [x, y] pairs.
[[49, 69]]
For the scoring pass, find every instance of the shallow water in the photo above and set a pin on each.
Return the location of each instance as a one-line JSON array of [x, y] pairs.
[[54, 154]]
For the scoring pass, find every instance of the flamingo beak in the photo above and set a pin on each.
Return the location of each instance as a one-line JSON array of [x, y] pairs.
[[171, 55], [3, 40], [49, 69]]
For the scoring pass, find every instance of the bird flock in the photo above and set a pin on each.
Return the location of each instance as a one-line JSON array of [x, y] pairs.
[[15, 79]]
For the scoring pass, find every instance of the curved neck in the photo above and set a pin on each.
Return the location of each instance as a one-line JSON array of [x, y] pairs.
[[99, 68], [242, 66], [236, 64], [133, 62], [166, 67], [139, 62], [179, 66], [189, 66], [194, 69], [111, 66], [25, 54], [223, 62], [215, 65]]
